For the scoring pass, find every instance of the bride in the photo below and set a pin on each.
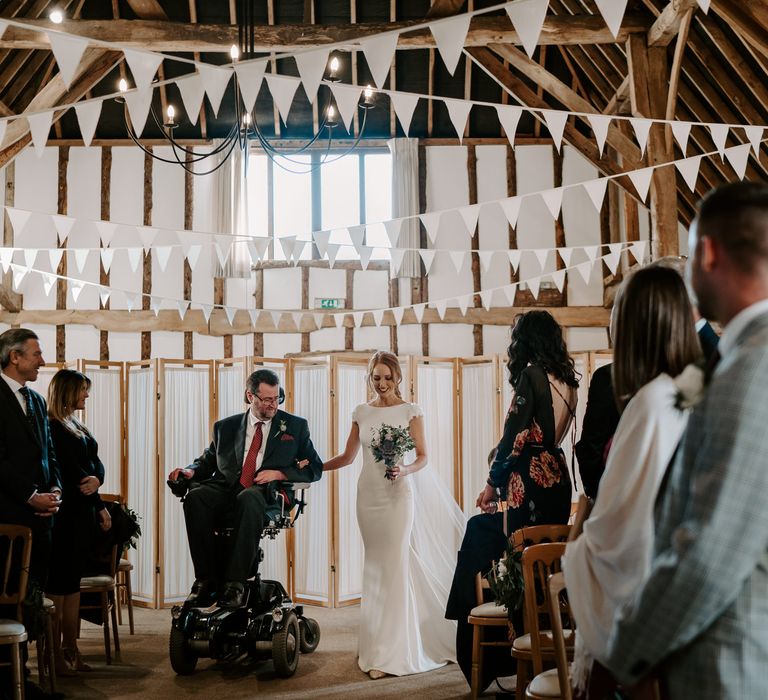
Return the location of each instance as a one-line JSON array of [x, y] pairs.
[[411, 528]]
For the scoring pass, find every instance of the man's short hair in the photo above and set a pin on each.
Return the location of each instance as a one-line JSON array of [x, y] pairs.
[[261, 376], [736, 216], [14, 339]]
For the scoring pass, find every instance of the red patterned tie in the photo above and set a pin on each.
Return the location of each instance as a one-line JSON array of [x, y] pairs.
[[249, 466]]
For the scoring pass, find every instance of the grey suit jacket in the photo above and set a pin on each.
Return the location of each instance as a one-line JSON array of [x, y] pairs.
[[701, 616]]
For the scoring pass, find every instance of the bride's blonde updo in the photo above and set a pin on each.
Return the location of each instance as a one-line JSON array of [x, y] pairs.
[[390, 361]]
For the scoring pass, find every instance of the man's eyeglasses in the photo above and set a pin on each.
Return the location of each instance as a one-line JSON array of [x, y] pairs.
[[271, 401]]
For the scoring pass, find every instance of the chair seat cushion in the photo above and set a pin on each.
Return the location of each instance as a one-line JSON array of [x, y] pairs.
[[489, 610], [545, 685], [12, 632], [97, 582], [523, 642], [125, 565]]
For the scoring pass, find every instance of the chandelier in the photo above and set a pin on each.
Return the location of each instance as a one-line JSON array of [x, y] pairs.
[[245, 130]]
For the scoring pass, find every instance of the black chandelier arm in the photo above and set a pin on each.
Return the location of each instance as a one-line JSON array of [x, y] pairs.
[[191, 151], [186, 167]]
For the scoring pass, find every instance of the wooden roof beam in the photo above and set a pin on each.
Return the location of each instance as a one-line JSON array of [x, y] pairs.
[[157, 35], [748, 19], [668, 23]]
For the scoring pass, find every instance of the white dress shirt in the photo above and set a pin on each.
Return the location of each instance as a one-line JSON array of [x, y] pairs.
[[15, 386], [738, 323], [250, 431]]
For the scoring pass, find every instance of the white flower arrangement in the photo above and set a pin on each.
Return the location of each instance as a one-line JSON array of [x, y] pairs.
[[690, 387]]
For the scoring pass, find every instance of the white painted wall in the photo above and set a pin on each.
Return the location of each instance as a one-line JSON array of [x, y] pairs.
[[447, 186]]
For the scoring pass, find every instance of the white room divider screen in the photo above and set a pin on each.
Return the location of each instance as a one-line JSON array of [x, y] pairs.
[[142, 474], [184, 419], [230, 384]]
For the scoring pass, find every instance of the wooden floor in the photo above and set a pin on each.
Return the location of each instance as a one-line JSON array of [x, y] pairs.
[[331, 672]]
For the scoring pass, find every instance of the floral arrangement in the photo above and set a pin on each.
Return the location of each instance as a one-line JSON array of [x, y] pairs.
[[691, 387], [389, 444], [506, 579], [135, 517]]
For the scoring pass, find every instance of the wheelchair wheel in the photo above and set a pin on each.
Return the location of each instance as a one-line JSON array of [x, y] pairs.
[[285, 647], [310, 634], [183, 661]]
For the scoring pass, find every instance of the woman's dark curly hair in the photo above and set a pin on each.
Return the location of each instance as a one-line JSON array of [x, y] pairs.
[[537, 339]]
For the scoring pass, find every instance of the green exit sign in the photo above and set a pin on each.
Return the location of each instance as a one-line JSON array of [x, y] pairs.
[[330, 303]]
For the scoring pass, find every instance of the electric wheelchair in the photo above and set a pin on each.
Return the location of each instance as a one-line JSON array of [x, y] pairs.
[[268, 624]]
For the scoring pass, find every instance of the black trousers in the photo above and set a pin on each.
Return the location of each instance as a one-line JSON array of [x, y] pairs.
[[210, 506]]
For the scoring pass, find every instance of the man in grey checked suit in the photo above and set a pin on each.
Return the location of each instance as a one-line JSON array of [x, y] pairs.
[[701, 617]]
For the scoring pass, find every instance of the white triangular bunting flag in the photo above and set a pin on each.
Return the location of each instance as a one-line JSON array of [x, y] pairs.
[[356, 235], [704, 5], [283, 91], [431, 221], [585, 270], [565, 255], [347, 98], [192, 93], [68, 50], [404, 104], [486, 258], [230, 312], [48, 282], [509, 116], [223, 247], [311, 65], [541, 255], [591, 252], [392, 228], [6, 256], [81, 257], [378, 316], [554, 200], [253, 314], [88, 114], [754, 135], [331, 252], [147, 236], [396, 260], [106, 231], [192, 255], [486, 296], [458, 111], [558, 277], [3, 127], [514, 258], [76, 287], [596, 191], [250, 75], [738, 156], [215, 81], [143, 66], [287, 244], [418, 310], [357, 318], [457, 258], [107, 255], [338, 319], [379, 51], [276, 316], [365, 256], [54, 256], [257, 249], [321, 239], [469, 215], [162, 255], [533, 285], [398, 312], [132, 301], [3, 27], [599, 124], [511, 208], [612, 12], [612, 259], [527, 16], [719, 136], [134, 256], [154, 304], [63, 225], [39, 127], [206, 309], [681, 131], [689, 169], [297, 317], [556, 124], [19, 219], [509, 292], [138, 103], [182, 306], [449, 36], [30, 254], [463, 303], [638, 249], [641, 179], [104, 295], [428, 256], [642, 128], [298, 250]]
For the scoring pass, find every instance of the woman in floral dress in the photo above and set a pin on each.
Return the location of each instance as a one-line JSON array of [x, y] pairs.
[[529, 469]]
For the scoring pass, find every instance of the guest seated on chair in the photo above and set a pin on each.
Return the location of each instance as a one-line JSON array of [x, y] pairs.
[[249, 452]]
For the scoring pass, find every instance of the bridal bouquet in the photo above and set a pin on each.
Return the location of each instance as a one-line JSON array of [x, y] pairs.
[[506, 579], [389, 444]]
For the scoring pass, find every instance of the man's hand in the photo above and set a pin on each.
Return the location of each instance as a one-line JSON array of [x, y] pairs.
[[45, 504], [266, 475], [89, 485], [186, 473], [486, 501], [105, 519]]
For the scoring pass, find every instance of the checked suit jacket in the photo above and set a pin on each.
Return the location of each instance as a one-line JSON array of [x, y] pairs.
[[701, 617]]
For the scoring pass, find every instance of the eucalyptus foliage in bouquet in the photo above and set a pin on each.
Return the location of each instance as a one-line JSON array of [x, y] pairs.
[[506, 579], [389, 444]]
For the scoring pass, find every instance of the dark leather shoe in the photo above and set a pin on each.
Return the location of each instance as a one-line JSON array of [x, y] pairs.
[[233, 595], [200, 594]]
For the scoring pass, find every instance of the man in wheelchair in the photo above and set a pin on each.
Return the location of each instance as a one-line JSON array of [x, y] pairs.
[[243, 479]]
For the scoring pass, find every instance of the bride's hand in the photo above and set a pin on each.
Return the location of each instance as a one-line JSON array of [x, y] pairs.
[[397, 471]]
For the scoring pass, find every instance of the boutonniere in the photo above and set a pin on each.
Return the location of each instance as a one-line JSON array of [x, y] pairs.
[[283, 426], [690, 387]]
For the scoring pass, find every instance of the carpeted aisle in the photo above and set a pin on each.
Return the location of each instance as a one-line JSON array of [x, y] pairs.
[[331, 672]]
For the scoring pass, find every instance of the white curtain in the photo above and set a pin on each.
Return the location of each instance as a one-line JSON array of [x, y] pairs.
[[405, 199], [186, 432], [478, 429], [43, 381], [405, 386], [142, 482], [230, 213], [581, 361], [350, 392], [104, 418], [434, 386], [312, 555], [231, 387]]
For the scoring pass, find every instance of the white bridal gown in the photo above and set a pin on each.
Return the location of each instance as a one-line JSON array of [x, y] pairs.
[[411, 530]]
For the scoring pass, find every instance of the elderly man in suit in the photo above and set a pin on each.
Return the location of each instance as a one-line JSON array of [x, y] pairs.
[[249, 452], [701, 617]]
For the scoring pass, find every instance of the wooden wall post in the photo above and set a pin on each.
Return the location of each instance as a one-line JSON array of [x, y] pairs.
[[514, 276], [420, 285], [146, 279], [305, 304], [189, 211], [106, 183], [61, 285], [8, 298], [349, 331], [560, 242], [477, 329], [258, 298]]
